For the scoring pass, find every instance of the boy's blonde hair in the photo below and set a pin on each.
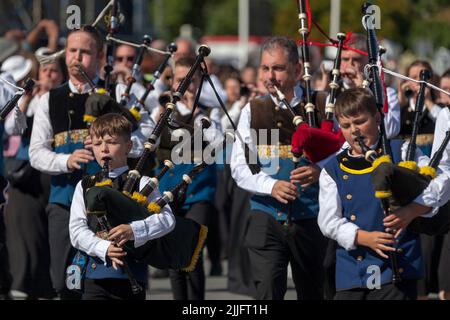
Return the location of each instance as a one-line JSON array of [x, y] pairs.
[[355, 101], [112, 124]]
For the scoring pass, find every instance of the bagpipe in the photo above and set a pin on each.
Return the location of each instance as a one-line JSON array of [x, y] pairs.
[[140, 103], [398, 185], [9, 106], [308, 139], [402, 183], [178, 249], [99, 103]]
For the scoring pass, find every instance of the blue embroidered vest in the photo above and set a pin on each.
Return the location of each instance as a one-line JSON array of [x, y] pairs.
[[276, 160], [354, 268], [66, 110]]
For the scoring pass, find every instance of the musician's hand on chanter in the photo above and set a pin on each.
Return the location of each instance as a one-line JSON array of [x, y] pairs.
[[115, 254], [376, 240], [402, 217], [284, 191], [79, 157], [305, 175], [121, 234]]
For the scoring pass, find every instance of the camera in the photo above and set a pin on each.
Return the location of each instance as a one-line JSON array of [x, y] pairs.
[[245, 91], [408, 93]]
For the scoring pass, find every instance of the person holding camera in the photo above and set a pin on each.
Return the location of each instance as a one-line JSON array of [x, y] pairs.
[[25, 216], [407, 94]]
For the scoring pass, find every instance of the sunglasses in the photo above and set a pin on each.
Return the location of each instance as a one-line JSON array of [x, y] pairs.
[[129, 59]]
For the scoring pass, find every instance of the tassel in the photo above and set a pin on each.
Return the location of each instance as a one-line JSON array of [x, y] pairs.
[[201, 241]]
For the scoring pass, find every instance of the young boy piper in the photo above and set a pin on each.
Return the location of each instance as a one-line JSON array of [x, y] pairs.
[[350, 214], [105, 277]]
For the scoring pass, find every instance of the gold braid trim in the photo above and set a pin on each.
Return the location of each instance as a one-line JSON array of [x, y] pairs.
[[383, 159], [100, 90], [153, 207], [88, 118], [428, 171], [104, 183], [139, 198], [201, 241], [127, 194], [412, 165], [383, 194], [135, 114]]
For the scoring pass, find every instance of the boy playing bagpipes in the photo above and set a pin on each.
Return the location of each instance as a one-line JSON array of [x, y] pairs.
[[105, 277], [352, 215]]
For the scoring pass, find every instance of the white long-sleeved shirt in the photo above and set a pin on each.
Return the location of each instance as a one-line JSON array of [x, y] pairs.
[[82, 238], [6, 91], [260, 183], [208, 97], [42, 156], [333, 225], [234, 112]]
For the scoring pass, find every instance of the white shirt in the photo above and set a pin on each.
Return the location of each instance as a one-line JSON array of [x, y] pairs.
[[260, 183], [208, 97], [432, 114], [11, 127], [333, 225], [234, 112], [6, 91], [42, 156], [82, 238]]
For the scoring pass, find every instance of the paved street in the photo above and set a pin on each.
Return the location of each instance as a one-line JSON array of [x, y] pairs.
[[216, 288]]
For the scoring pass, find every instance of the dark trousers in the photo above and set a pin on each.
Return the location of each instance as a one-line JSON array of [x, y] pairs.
[[61, 251], [444, 265], [191, 285], [405, 290], [272, 247], [110, 289], [27, 236], [431, 252], [5, 277]]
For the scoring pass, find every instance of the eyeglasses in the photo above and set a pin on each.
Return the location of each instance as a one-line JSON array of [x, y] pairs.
[[129, 59]]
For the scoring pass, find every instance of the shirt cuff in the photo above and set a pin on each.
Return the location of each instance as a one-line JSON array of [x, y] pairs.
[[101, 249], [430, 214], [268, 186], [140, 232], [347, 236], [62, 163]]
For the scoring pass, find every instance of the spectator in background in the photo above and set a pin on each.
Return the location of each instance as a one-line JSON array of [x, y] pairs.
[[249, 75], [26, 219]]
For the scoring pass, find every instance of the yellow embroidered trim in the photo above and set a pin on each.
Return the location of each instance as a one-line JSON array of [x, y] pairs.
[[380, 160], [107, 182], [428, 171], [126, 193], [412, 165], [73, 136], [353, 171], [139, 198], [274, 151], [88, 118], [153, 207], [201, 241], [135, 114], [100, 91], [383, 194]]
